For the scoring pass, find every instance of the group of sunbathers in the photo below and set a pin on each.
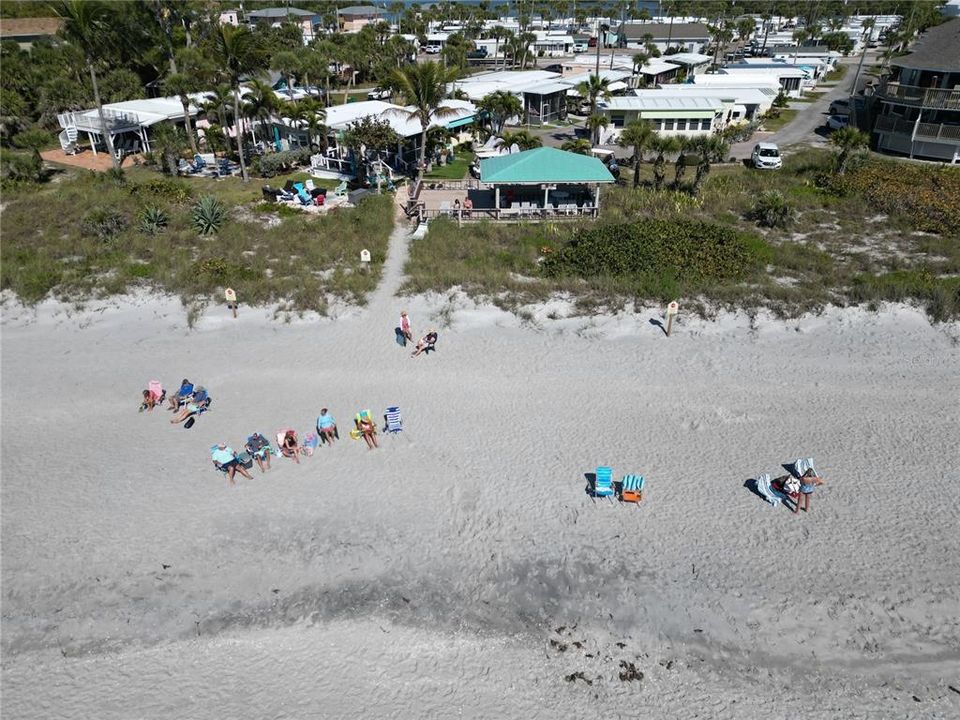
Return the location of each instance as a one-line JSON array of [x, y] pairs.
[[799, 489], [258, 449], [186, 402]]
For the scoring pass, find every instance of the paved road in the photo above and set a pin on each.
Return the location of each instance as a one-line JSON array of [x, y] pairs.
[[807, 128]]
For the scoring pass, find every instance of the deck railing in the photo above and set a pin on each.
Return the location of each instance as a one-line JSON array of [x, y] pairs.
[[924, 97], [511, 214], [926, 131]]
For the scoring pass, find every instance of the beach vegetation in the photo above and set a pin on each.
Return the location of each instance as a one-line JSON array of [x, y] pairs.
[[209, 215]]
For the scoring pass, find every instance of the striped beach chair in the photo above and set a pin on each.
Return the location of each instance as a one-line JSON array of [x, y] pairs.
[[393, 421], [632, 488], [603, 483]]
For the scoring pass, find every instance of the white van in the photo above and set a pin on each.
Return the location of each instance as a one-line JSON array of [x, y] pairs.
[[432, 49]]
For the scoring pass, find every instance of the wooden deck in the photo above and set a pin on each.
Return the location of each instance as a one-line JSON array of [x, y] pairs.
[[84, 159]]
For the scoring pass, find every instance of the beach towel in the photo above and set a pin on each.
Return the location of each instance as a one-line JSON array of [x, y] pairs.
[[156, 390], [771, 495], [401, 338], [799, 466]]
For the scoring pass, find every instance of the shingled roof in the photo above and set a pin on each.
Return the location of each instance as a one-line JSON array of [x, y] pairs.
[[937, 49]]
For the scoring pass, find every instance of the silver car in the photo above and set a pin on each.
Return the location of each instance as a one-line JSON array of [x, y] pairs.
[[766, 156]]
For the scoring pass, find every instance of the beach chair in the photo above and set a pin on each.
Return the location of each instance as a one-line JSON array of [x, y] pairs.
[[769, 493], [340, 190], [264, 449], [156, 390], [631, 489], [393, 423], [310, 443], [603, 482], [445, 208]]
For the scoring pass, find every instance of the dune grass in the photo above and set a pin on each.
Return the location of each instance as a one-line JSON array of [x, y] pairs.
[[80, 237], [840, 249]]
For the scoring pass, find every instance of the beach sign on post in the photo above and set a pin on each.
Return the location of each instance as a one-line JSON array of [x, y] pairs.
[[231, 300], [672, 310], [365, 259]]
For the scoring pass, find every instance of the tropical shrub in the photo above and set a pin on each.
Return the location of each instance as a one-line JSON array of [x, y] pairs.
[[175, 191], [209, 214], [928, 196], [20, 167], [153, 220], [271, 164], [682, 248], [103, 223], [772, 210]]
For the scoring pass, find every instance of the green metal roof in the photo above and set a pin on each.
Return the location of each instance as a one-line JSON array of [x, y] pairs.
[[543, 165]]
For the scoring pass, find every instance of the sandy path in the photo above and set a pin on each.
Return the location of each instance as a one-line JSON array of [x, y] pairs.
[[428, 578]]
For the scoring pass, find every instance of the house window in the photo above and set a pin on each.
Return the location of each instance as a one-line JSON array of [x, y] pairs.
[[705, 124], [682, 124], [668, 124], [658, 124], [617, 119]]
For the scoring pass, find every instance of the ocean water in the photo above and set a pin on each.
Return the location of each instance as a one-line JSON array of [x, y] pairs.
[[651, 6]]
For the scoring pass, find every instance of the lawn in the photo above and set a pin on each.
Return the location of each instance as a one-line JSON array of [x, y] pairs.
[[854, 245], [836, 75], [455, 170], [777, 123], [83, 236]]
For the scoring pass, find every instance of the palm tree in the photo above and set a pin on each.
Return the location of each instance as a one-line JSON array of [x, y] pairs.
[[639, 60], [180, 84], [595, 122], [580, 146], [709, 149], [521, 138], [289, 65], [259, 104], [238, 54], [847, 140], [500, 106], [593, 89], [216, 105], [661, 145], [423, 87], [497, 33], [680, 164], [507, 36], [637, 135], [315, 119], [168, 141], [85, 25]]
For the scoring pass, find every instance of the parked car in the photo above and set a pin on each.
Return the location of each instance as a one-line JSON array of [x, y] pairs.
[[840, 107], [579, 47], [379, 93], [766, 156], [432, 49], [838, 122], [479, 54]]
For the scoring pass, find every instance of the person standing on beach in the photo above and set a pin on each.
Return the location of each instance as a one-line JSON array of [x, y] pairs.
[[808, 483], [405, 326]]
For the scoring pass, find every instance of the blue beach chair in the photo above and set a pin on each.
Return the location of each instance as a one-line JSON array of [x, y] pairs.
[[603, 483], [631, 490], [393, 423]]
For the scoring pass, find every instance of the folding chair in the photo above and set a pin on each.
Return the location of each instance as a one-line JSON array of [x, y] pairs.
[[631, 490], [393, 423], [603, 482]]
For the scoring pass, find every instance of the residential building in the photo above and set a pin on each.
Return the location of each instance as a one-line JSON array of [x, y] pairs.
[[658, 72], [307, 20], [916, 111], [26, 31], [680, 116], [742, 104], [690, 37], [356, 17], [692, 63], [791, 79], [229, 17]]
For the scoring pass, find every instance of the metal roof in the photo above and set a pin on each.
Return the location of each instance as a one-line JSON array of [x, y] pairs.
[[661, 102], [362, 10], [547, 88], [279, 12], [544, 165], [662, 31], [687, 58]]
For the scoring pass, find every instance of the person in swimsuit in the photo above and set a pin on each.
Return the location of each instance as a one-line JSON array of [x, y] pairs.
[[290, 447], [426, 342], [369, 431], [808, 483]]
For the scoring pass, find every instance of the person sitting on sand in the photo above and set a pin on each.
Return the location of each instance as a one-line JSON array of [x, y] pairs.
[[426, 343], [808, 483], [368, 430], [259, 449], [191, 408], [226, 460], [149, 402], [326, 426], [290, 447], [181, 395]]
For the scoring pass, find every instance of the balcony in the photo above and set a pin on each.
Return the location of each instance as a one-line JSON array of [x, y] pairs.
[[930, 132], [934, 98], [116, 121]]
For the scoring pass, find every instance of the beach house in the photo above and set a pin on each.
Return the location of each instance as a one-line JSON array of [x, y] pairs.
[[356, 17], [916, 110], [674, 115], [689, 37], [306, 20]]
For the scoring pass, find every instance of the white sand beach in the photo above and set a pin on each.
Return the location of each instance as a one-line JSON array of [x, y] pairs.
[[461, 570]]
